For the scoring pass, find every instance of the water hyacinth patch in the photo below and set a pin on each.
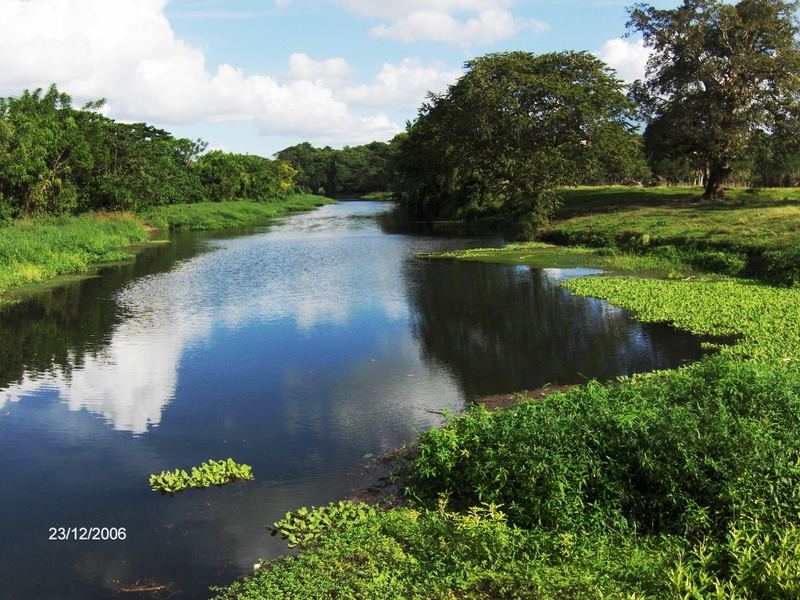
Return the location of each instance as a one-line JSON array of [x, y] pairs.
[[767, 318], [211, 472]]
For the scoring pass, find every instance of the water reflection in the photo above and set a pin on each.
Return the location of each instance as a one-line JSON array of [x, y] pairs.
[[298, 349], [503, 329]]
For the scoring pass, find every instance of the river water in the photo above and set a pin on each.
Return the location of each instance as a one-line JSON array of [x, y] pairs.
[[299, 348]]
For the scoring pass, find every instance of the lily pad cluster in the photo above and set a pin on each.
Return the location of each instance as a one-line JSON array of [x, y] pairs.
[[211, 472]]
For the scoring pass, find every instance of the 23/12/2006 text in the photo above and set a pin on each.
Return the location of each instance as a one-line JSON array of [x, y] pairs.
[[89, 534]]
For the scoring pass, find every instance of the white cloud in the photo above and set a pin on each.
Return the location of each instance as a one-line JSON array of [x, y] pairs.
[[330, 71], [404, 85], [485, 28], [126, 51], [628, 58], [461, 22]]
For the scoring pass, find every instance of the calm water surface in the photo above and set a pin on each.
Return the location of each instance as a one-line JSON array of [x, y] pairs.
[[297, 348]]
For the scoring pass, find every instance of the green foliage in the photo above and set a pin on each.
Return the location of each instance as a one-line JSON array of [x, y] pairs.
[[219, 215], [719, 75], [754, 561], [353, 170], [514, 127], [211, 472], [32, 251], [676, 452], [781, 267], [304, 527], [424, 554], [55, 159], [227, 177], [766, 319]]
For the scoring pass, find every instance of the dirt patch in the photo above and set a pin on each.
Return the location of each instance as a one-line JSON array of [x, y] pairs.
[[379, 479], [508, 400]]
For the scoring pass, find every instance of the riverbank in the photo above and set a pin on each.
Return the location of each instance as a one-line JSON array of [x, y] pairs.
[[673, 484], [36, 250]]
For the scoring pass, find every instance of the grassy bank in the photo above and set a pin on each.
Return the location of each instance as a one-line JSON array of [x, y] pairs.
[[32, 251], [675, 484], [750, 233], [220, 215], [37, 250]]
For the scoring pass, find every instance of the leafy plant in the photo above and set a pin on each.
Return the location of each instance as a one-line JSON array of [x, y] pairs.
[[212, 472], [305, 526]]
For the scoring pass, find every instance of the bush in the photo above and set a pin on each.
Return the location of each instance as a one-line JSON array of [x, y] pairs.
[[672, 452], [438, 554]]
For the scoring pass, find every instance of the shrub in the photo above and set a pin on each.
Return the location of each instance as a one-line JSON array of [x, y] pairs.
[[671, 452]]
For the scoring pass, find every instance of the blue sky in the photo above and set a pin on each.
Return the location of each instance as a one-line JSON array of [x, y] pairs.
[[258, 75]]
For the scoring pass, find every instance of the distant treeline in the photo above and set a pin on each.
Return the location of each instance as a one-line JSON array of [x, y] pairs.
[[56, 159], [353, 170], [377, 167]]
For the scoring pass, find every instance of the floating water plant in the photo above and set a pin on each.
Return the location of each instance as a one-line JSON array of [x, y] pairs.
[[212, 472]]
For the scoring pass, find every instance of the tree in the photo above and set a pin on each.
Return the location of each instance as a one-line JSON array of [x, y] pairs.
[[511, 130], [718, 74]]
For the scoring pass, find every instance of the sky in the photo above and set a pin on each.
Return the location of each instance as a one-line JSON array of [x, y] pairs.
[[256, 76]]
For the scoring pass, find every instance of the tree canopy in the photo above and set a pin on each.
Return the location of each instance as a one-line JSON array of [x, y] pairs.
[[511, 130], [719, 75], [353, 170], [57, 159]]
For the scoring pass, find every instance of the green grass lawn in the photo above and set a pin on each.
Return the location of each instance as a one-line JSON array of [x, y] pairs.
[[744, 221], [667, 231], [35, 250]]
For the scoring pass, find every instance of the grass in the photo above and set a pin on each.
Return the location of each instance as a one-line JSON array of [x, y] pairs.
[[542, 255], [33, 251], [221, 215], [667, 232], [750, 233]]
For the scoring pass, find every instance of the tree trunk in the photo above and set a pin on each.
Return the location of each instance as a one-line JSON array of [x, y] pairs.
[[718, 174]]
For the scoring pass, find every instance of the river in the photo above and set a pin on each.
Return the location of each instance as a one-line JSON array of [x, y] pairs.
[[298, 347]]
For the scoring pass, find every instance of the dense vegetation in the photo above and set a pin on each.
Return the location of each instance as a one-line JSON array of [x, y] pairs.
[[720, 77], [56, 159], [720, 104], [351, 171], [509, 132]]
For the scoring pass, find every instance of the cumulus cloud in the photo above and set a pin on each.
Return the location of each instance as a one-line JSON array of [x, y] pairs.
[[329, 71], [485, 28], [461, 22], [404, 85], [627, 57], [127, 51]]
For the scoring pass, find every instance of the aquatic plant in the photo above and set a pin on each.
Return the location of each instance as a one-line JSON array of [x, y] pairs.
[[305, 526], [767, 318], [212, 472]]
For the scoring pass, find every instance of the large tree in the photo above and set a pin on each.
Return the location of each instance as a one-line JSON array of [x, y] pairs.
[[509, 132], [718, 74]]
